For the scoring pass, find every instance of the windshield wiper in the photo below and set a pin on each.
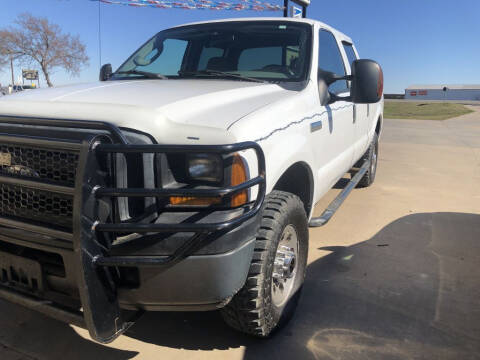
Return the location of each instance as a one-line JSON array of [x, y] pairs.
[[143, 73], [221, 73]]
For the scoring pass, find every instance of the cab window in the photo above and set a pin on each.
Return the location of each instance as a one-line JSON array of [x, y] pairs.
[[260, 58], [351, 56], [166, 62], [274, 51], [207, 54], [330, 59]]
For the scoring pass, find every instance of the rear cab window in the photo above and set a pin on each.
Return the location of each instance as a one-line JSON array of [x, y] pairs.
[[350, 52]]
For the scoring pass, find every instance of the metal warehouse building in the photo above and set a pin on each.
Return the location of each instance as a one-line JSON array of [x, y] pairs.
[[443, 92]]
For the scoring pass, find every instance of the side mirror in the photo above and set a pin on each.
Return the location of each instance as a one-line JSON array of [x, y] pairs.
[[105, 72], [367, 82], [325, 79], [323, 92]]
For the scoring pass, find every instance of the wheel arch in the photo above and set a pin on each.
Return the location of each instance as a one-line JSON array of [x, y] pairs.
[[298, 180], [379, 125]]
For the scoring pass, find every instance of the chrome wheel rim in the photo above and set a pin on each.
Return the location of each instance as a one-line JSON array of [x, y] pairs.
[[285, 266]]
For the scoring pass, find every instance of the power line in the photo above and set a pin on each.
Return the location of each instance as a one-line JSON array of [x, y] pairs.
[[100, 34]]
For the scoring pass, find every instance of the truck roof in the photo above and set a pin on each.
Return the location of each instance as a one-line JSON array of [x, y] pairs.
[[301, 20]]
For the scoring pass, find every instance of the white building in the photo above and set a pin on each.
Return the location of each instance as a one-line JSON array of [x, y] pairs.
[[443, 92]]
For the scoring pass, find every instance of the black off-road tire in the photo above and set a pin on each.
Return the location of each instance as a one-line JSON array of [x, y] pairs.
[[372, 156], [252, 310]]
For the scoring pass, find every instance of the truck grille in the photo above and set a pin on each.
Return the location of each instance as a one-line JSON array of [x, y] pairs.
[[36, 206], [54, 165]]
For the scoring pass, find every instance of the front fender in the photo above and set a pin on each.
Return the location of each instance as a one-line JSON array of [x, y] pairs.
[[281, 155]]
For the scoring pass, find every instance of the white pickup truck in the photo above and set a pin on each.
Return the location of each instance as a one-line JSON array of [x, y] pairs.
[[186, 179]]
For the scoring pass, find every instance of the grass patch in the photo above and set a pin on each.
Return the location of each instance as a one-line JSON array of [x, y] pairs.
[[423, 111]]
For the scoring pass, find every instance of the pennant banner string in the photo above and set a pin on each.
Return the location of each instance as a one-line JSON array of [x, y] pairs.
[[197, 4]]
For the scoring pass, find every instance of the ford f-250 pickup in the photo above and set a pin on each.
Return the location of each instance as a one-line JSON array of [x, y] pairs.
[[186, 179]]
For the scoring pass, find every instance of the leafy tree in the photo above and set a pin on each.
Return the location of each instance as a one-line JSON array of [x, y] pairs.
[[36, 40]]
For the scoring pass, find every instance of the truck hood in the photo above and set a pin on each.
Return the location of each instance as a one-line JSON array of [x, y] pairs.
[[152, 106]]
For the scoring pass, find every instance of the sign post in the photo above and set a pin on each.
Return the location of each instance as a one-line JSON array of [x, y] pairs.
[[30, 75]]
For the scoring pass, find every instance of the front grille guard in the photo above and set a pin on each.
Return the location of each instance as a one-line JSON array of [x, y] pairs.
[[101, 312], [201, 230]]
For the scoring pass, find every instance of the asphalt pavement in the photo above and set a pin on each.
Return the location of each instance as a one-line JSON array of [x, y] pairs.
[[394, 275]]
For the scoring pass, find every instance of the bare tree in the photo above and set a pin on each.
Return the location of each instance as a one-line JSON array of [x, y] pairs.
[[36, 40], [7, 54], [3, 61], [4, 58]]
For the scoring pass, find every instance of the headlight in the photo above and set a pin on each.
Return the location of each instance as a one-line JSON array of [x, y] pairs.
[[210, 168], [205, 167]]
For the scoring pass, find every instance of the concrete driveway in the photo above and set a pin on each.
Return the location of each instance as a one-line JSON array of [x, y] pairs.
[[394, 275]]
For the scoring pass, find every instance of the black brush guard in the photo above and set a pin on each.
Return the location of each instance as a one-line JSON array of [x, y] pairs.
[[101, 313]]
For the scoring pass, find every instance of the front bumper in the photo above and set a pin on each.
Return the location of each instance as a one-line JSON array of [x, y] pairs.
[[94, 265], [198, 283]]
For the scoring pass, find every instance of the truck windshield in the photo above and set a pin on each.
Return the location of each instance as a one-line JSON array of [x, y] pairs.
[[264, 50]]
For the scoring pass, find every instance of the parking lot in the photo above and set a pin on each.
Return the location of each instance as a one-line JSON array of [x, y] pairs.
[[394, 275]]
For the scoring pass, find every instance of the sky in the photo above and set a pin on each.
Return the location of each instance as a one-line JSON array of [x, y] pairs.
[[415, 41]]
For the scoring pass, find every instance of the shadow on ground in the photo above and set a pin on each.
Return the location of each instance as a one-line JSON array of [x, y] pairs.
[[409, 292]]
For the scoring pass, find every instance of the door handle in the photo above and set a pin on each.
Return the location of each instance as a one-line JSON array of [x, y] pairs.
[[317, 125], [354, 113]]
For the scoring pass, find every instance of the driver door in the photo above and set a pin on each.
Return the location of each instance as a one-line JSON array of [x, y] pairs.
[[333, 130]]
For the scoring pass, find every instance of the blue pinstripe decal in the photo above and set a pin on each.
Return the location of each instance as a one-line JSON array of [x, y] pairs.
[[300, 121]]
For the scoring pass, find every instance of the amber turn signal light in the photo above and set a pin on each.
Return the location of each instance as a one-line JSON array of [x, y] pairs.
[[238, 176], [198, 201]]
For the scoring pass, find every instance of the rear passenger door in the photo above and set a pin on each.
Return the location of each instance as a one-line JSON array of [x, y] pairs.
[[333, 141], [360, 111]]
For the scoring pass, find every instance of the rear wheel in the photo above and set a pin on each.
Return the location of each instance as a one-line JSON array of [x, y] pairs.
[[277, 272], [372, 156]]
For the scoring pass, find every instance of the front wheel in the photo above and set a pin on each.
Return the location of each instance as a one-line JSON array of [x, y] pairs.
[[277, 272]]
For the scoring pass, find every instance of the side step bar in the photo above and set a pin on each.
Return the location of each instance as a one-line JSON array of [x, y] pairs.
[[338, 201]]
